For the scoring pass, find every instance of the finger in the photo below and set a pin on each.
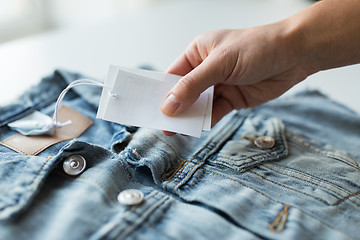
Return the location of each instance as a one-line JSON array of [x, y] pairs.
[[221, 107], [189, 87], [181, 66], [167, 133], [232, 94]]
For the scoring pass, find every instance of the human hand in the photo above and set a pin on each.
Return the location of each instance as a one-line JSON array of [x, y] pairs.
[[247, 67]]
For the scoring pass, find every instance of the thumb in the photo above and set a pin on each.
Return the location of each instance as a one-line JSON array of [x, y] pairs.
[[188, 88]]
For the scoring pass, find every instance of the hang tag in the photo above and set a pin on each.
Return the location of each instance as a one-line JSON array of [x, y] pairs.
[[133, 97], [36, 123]]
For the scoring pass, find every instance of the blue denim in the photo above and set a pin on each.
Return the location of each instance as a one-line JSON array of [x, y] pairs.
[[221, 186]]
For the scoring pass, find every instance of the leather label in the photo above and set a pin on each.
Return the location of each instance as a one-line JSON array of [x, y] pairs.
[[33, 145]]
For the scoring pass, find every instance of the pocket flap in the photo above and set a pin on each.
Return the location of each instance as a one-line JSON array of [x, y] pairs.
[[259, 139]]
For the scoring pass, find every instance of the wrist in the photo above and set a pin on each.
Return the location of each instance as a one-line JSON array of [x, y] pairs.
[[326, 35], [300, 52]]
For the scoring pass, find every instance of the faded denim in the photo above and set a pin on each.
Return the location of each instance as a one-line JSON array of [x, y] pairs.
[[221, 186]]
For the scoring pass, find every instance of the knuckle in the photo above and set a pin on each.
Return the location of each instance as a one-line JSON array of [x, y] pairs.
[[187, 85]]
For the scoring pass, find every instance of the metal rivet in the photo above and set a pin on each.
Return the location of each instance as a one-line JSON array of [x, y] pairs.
[[265, 142], [74, 165], [130, 197]]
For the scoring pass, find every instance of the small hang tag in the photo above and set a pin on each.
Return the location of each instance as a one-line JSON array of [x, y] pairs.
[[133, 97], [36, 123]]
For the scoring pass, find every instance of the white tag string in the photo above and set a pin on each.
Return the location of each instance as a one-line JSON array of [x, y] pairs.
[[80, 82]]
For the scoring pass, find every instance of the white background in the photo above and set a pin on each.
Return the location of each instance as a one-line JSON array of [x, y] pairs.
[[87, 38]]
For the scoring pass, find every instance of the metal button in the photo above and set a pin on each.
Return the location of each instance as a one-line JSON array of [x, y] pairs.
[[130, 197], [265, 142], [74, 165]]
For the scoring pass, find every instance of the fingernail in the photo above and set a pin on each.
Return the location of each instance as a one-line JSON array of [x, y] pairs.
[[170, 105]]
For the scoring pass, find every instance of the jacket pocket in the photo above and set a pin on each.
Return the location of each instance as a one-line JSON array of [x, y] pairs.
[[258, 140]]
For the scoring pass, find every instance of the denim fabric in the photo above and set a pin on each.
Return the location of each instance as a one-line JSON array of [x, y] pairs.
[[221, 186]]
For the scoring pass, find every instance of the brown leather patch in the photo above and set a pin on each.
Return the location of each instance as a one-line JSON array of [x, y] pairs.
[[33, 145]]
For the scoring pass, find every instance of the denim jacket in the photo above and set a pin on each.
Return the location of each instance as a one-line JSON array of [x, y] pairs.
[[288, 169]]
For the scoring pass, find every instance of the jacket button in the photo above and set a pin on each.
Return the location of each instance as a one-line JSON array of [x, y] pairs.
[[264, 142], [130, 197], [74, 165]]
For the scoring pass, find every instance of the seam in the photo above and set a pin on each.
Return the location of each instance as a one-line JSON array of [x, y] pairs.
[[187, 174], [132, 211], [296, 171], [33, 180], [278, 149], [315, 184], [178, 173], [172, 172], [242, 184], [339, 157], [241, 120], [13, 148], [271, 199], [40, 170], [279, 184], [165, 200], [278, 138], [145, 214], [347, 197]]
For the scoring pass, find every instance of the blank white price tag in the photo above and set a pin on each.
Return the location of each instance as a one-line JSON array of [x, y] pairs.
[[133, 97]]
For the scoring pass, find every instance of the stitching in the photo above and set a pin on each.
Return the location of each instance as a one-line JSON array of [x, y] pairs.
[[242, 184], [145, 214], [316, 198], [184, 165], [48, 145], [135, 153], [242, 159], [36, 176], [40, 170], [198, 163], [316, 184], [172, 172], [277, 149], [347, 197], [178, 158], [339, 157], [305, 175], [133, 208], [13, 148], [241, 120], [190, 170], [270, 198], [128, 213]]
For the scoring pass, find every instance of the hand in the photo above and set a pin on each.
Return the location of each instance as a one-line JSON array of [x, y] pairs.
[[247, 67], [251, 66]]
